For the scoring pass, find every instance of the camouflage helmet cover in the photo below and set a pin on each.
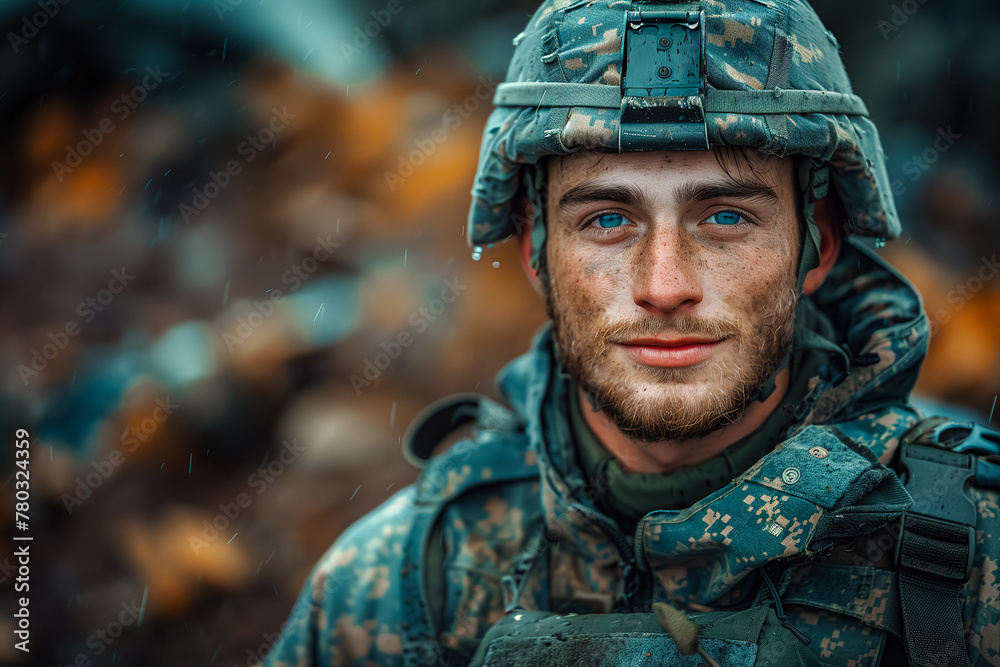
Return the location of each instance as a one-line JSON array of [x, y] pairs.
[[755, 73]]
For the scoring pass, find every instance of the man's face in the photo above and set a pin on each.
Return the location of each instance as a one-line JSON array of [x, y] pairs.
[[673, 282]]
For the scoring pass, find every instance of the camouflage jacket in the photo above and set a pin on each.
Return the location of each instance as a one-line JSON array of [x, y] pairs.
[[818, 513]]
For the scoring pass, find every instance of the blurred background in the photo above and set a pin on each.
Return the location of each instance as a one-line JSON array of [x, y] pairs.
[[218, 218]]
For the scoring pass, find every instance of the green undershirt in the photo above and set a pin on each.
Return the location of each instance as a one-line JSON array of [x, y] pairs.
[[630, 496]]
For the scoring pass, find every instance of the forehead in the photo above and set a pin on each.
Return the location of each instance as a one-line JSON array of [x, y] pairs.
[[745, 166]]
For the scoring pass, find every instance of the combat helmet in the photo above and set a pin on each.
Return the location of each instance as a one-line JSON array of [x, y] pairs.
[[614, 75]]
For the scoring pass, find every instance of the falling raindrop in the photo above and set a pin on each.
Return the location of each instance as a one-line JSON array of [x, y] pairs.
[[142, 606], [496, 265]]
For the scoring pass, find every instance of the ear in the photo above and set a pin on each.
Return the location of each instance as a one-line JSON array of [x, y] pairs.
[[826, 216], [524, 253]]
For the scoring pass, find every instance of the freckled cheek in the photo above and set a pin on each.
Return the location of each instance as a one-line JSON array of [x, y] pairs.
[[586, 279], [741, 278]]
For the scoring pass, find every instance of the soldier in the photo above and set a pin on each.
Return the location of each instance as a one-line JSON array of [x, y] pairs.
[[711, 447]]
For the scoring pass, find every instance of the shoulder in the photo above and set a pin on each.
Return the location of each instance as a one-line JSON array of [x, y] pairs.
[[880, 429], [982, 591], [365, 601], [487, 491], [350, 608], [478, 540]]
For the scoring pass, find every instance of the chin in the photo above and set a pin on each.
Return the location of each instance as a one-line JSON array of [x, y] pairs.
[[656, 409]]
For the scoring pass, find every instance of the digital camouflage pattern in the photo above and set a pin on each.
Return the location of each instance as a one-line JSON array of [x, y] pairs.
[[750, 45], [505, 518], [824, 533]]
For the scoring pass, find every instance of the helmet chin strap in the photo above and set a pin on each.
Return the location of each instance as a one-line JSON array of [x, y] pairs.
[[534, 189], [814, 181]]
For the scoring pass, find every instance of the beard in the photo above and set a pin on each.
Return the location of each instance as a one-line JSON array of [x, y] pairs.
[[653, 404]]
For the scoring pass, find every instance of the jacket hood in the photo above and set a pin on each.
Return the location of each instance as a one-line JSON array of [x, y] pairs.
[[855, 411]]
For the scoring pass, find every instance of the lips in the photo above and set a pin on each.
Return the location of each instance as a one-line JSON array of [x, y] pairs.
[[671, 352]]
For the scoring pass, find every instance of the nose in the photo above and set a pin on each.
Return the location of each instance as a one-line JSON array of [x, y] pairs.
[[666, 278]]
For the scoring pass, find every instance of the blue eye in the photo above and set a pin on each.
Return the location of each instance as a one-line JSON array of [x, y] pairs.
[[726, 218], [610, 220]]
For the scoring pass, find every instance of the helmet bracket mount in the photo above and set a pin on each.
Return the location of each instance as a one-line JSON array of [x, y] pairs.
[[663, 80]]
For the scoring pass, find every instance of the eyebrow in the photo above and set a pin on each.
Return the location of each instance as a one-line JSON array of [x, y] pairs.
[[689, 193], [587, 193]]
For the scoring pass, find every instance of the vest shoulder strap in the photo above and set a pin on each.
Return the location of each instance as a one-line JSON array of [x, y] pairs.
[[443, 417], [938, 460], [496, 451]]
